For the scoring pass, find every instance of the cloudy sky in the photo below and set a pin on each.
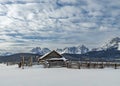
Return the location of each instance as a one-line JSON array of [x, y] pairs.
[[25, 24]]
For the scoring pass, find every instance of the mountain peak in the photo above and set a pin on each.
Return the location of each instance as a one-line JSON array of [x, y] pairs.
[[74, 50], [41, 51], [115, 40], [112, 44]]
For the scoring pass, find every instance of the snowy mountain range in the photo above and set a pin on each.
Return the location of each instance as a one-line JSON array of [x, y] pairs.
[[112, 44], [74, 50], [71, 50]]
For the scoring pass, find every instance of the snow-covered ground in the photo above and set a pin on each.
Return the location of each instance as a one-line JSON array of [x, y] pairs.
[[37, 76]]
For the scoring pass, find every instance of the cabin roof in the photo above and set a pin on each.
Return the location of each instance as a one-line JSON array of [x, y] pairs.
[[49, 56]]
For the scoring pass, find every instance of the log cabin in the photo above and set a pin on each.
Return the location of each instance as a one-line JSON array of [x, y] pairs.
[[52, 59]]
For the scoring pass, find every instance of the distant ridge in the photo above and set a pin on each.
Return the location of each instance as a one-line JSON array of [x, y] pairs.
[[17, 57]]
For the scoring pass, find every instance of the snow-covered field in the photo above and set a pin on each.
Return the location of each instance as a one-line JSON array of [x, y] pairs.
[[37, 76]]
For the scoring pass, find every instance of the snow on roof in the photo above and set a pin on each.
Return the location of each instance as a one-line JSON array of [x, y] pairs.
[[63, 58], [44, 55]]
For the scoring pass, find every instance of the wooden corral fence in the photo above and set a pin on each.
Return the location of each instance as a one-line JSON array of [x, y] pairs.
[[11, 63], [69, 64], [23, 62], [89, 64], [84, 65]]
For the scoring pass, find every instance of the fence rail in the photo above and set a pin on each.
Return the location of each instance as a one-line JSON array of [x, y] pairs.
[[89, 64]]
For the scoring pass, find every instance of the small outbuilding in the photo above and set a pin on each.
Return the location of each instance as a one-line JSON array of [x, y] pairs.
[[52, 59]]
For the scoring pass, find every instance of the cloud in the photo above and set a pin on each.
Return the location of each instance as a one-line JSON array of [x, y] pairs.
[[57, 23]]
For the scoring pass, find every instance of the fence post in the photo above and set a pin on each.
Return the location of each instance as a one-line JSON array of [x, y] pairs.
[[115, 66], [79, 65], [31, 60], [23, 61]]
